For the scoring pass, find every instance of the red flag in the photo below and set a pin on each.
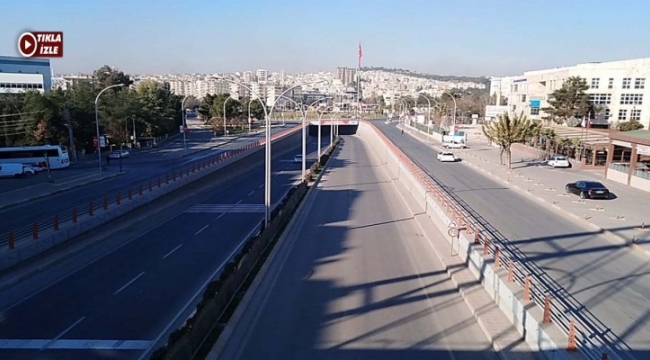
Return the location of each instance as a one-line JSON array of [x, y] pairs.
[[360, 55]]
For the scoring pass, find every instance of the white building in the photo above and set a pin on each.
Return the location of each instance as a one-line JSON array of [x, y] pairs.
[[262, 75], [619, 87], [19, 74], [500, 86]]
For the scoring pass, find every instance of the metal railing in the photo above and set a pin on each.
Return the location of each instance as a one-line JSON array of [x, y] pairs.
[[74, 216], [592, 337]]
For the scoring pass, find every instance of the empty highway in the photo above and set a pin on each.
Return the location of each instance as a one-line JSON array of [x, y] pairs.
[[354, 279], [611, 281], [114, 305]]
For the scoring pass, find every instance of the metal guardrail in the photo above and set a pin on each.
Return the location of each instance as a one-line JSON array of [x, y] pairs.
[[592, 337], [33, 232]]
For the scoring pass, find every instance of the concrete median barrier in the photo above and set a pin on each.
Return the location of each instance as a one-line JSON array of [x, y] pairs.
[[84, 219], [545, 328]]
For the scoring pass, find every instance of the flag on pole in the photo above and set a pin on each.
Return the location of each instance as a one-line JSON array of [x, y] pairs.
[[360, 55]]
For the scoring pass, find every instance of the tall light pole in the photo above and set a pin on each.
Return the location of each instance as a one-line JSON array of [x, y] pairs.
[[429, 109], [304, 133], [320, 121], [183, 121], [224, 114], [453, 117], [99, 147], [267, 146]]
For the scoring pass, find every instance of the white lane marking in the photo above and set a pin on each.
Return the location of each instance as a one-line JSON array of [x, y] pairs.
[[63, 332], [201, 230], [251, 193], [172, 251], [261, 186], [239, 202], [278, 173], [80, 344], [129, 283], [220, 216]]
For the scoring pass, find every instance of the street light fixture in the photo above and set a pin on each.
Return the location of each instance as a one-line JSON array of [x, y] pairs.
[[224, 114], [320, 121], [183, 120], [453, 117], [99, 148], [267, 145]]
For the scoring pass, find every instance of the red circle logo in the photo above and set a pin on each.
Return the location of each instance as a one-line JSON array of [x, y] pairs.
[[27, 44]]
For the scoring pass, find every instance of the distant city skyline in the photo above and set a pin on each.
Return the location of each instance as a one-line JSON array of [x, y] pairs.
[[464, 38]]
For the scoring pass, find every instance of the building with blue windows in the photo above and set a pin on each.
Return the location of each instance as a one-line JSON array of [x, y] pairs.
[[18, 74]]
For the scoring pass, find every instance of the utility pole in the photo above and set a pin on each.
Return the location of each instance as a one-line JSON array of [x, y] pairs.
[[73, 150]]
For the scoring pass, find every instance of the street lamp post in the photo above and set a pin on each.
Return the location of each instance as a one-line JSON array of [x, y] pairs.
[[429, 108], [224, 115], [453, 117], [267, 146], [99, 148], [184, 122], [320, 121]]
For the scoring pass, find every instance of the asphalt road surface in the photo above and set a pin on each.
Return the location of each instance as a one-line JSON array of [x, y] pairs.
[[354, 279], [140, 168], [115, 306], [613, 282]]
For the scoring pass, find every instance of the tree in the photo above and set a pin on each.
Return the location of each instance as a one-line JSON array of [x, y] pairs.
[[569, 101], [205, 108], [506, 131], [107, 76], [257, 110], [630, 125]]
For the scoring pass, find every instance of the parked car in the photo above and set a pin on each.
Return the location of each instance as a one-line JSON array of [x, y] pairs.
[[588, 189], [297, 159], [446, 157], [558, 161], [118, 154], [454, 145], [16, 170]]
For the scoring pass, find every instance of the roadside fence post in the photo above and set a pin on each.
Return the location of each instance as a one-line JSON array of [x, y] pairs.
[[477, 237], [130, 194], [74, 214], [527, 288], [56, 222], [91, 208], [118, 198], [547, 309], [35, 231], [497, 257], [511, 271], [150, 185], [572, 337], [105, 202], [486, 246]]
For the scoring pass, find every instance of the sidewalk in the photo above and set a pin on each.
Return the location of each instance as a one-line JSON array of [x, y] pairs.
[[45, 189], [621, 218]]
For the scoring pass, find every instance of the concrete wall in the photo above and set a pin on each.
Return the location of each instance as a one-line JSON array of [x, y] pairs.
[[325, 130], [617, 176], [527, 317], [223, 171], [639, 182]]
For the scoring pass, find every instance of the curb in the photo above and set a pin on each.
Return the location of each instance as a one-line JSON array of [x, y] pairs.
[[40, 196], [228, 329], [585, 223]]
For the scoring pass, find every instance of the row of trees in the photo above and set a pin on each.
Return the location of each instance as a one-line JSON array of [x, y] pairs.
[[33, 118], [212, 109]]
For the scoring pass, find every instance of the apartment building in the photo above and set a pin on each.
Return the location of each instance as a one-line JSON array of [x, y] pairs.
[[618, 87], [262, 75], [346, 75]]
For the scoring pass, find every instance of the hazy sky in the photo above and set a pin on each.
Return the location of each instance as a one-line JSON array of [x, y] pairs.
[[459, 37]]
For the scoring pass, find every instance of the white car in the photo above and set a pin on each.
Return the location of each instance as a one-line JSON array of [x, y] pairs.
[[446, 157], [454, 145], [118, 154], [16, 170], [297, 159], [559, 162]]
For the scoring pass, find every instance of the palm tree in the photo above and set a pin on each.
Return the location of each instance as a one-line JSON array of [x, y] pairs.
[[506, 131]]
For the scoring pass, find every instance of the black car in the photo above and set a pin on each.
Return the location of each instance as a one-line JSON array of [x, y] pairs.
[[588, 189]]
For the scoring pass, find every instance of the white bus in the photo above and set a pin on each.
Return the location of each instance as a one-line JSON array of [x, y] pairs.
[[36, 156]]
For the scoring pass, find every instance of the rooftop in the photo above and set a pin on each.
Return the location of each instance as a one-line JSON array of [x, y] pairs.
[[636, 136]]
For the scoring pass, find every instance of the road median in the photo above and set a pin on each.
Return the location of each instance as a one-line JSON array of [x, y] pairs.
[[225, 297]]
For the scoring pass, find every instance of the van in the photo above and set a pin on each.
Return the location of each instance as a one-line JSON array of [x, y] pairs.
[[16, 170]]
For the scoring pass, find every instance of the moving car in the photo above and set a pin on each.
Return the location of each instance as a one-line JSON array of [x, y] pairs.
[[446, 157], [559, 162], [454, 145], [588, 189], [118, 154], [297, 159], [16, 170]]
